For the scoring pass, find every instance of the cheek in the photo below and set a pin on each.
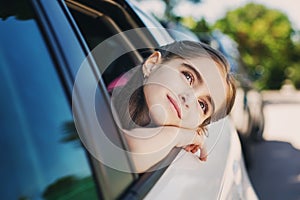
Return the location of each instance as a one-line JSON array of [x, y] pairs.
[[150, 90], [158, 114], [153, 94], [157, 104]]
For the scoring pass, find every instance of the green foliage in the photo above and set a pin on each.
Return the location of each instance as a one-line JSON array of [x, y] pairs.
[[70, 132], [71, 187], [200, 26], [188, 22], [264, 38]]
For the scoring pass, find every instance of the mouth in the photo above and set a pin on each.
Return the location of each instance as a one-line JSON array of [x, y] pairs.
[[175, 105]]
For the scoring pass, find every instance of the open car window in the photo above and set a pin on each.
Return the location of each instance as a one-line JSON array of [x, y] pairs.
[[97, 23]]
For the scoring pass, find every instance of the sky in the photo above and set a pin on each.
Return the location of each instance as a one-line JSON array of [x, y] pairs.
[[212, 10]]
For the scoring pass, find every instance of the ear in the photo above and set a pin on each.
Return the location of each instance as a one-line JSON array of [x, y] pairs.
[[151, 63]]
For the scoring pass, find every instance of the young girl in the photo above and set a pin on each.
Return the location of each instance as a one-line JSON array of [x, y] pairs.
[[170, 98]]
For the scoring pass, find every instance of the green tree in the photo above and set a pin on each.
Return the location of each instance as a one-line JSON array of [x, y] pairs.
[[195, 26], [202, 26], [293, 71], [265, 44]]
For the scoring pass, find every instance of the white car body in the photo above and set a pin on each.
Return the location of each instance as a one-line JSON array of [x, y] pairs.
[[222, 176]]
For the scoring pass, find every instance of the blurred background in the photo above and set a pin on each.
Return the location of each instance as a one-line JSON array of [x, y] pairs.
[[261, 40]]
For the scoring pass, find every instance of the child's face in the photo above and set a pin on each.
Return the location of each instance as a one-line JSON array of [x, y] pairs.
[[184, 93]]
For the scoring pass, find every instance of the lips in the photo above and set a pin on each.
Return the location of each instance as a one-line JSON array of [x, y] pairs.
[[175, 105]]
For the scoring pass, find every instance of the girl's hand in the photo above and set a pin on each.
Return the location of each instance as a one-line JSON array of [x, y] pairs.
[[203, 154], [192, 141], [194, 148], [186, 137], [148, 146]]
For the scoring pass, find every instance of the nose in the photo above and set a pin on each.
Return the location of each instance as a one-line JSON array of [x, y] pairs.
[[185, 99]]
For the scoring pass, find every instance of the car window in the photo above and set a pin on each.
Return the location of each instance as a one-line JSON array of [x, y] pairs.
[[40, 154], [96, 24]]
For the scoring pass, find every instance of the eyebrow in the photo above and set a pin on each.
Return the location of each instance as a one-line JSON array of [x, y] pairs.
[[190, 67]]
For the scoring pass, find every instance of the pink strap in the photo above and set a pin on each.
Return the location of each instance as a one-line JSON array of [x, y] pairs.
[[118, 82]]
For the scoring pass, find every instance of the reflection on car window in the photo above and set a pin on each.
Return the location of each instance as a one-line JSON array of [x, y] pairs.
[[40, 154]]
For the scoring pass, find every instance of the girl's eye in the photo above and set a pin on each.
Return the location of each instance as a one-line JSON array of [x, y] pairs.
[[203, 106], [189, 77]]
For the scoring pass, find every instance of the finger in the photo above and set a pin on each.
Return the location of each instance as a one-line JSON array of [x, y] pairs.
[[203, 154], [189, 147], [195, 149]]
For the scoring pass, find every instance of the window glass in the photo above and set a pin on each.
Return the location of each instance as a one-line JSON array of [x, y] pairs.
[[95, 27], [40, 154]]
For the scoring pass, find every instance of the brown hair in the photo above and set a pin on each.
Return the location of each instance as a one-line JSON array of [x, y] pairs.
[[130, 103]]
